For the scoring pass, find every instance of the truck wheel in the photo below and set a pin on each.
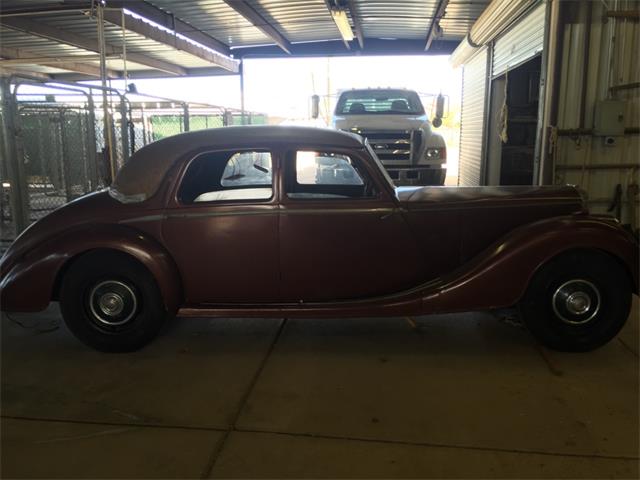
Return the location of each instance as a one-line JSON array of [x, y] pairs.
[[111, 302], [578, 301]]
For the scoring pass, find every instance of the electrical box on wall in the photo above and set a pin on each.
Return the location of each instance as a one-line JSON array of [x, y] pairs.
[[609, 118]]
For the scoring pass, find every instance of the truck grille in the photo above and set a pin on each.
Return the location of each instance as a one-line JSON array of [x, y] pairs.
[[393, 147]]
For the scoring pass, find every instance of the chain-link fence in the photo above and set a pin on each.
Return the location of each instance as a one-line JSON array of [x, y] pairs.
[[58, 141]]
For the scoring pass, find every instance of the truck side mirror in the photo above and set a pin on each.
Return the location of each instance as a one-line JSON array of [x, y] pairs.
[[315, 106], [437, 119]]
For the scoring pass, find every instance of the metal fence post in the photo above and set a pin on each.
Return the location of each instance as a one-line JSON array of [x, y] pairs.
[[185, 109], [19, 196], [91, 140], [124, 129]]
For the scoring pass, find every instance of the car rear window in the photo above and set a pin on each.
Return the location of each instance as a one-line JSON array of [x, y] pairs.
[[228, 176]]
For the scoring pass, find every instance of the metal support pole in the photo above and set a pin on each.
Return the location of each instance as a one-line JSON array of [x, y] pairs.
[[19, 196], [124, 129], [241, 69], [103, 80], [185, 116]]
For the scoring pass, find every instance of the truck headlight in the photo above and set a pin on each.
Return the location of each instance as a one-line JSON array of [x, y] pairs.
[[439, 153]]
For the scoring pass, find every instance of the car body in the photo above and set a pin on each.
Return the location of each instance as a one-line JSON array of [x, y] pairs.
[[402, 137], [241, 221]]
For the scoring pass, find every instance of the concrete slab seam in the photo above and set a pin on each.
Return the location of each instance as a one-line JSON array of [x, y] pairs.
[[232, 427]]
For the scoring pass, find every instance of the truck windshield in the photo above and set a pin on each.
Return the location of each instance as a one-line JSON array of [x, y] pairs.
[[365, 102]]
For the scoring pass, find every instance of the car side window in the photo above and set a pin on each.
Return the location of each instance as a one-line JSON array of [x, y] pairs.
[[228, 175], [326, 175]]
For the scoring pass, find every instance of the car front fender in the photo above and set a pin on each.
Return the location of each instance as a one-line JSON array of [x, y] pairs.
[[499, 276], [29, 285]]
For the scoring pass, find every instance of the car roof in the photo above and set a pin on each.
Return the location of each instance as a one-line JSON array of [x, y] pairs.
[[142, 174]]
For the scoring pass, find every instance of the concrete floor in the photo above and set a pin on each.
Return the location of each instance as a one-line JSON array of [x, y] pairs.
[[456, 396]]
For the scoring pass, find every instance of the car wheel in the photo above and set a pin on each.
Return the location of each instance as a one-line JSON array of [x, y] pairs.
[[111, 302], [578, 301]]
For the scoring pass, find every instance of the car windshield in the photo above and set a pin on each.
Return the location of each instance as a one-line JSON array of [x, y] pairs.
[[359, 102]]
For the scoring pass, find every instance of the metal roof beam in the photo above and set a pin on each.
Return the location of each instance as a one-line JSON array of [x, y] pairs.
[[435, 25], [19, 56], [170, 22], [248, 12], [7, 71], [70, 38], [357, 24], [331, 5], [147, 30]]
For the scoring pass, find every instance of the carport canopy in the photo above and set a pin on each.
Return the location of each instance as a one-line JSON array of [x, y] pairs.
[[60, 39]]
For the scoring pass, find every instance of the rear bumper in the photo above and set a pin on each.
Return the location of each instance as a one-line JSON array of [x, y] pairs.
[[414, 176]]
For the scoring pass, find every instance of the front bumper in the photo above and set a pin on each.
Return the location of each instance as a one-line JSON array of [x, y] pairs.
[[417, 176]]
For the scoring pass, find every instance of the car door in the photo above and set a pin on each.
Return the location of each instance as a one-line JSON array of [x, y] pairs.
[[222, 228], [342, 236]]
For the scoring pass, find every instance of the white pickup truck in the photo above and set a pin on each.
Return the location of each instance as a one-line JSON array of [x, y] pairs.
[[396, 125]]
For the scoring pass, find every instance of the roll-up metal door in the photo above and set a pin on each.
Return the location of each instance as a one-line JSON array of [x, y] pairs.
[[474, 78], [521, 42]]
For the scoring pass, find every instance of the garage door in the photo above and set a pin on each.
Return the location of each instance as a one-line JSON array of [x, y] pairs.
[[521, 42], [474, 78]]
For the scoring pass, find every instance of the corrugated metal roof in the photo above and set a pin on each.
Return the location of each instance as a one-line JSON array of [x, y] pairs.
[[217, 19], [85, 26], [460, 16], [299, 20], [409, 19]]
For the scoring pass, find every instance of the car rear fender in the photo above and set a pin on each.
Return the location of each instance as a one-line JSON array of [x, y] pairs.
[[499, 276], [33, 282]]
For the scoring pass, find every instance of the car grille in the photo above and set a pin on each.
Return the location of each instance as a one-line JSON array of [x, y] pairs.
[[393, 147]]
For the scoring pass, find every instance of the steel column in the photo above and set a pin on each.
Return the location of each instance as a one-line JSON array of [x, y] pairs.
[[15, 160]]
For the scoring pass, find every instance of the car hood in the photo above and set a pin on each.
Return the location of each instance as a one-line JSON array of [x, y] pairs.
[[417, 198], [381, 122]]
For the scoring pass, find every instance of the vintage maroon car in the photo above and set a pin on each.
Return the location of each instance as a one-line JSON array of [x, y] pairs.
[[289, 221]]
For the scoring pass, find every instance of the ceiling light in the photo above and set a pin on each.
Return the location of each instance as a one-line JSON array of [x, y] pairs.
[[342, 22]]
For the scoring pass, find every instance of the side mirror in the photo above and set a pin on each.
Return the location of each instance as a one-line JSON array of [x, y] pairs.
[[315, 106], [437, 119]]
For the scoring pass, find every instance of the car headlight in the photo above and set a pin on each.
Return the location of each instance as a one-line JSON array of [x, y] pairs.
[[439, 153]]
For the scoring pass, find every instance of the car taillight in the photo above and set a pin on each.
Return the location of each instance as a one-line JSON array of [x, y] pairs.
[[439, 153]]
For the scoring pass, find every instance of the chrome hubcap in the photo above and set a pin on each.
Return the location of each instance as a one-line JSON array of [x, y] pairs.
[[112, 303], [576, 302]]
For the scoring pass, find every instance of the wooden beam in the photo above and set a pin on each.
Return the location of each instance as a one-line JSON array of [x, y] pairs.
[[147, 30], [435, 23], [62, 36], [169, 21], [19, 56], [251, 15], [357, 24]]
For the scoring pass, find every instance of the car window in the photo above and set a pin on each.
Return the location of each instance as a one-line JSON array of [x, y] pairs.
[[228, 175], [326, 175]]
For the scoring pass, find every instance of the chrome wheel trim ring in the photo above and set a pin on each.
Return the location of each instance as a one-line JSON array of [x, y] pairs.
[[109, 299], [576, 301]]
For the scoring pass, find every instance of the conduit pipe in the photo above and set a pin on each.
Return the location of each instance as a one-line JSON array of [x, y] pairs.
[[498, 15]]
